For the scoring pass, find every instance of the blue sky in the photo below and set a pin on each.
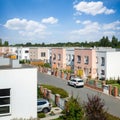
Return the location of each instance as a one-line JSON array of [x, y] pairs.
[[52, 21]]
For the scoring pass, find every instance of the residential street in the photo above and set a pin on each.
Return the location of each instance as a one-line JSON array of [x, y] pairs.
[[111, 103]]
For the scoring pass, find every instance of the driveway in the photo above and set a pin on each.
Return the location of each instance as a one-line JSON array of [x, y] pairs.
[[111, 103]]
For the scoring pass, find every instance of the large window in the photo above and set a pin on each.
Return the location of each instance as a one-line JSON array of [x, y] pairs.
[[59, 56], [54, 57], [4, 102], [102, 61], [78, 59], [86, 59], [26, 51], [42, 54]]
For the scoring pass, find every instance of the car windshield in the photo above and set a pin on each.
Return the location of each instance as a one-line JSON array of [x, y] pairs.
[[80, 80]]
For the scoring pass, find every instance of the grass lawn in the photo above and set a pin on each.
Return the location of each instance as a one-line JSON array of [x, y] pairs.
[[118, 85]]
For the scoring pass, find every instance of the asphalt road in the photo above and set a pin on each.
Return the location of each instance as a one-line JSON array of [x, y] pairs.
[[111, 104]]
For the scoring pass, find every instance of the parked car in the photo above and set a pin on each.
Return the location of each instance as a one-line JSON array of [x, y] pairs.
[[76, 82], [43, 105]]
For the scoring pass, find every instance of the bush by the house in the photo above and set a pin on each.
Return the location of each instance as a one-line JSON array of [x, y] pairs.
[[94, 108], [56, 90], [41, 115]]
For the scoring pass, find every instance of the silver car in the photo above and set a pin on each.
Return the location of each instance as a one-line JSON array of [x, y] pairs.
[[76, 82], [43, 105]]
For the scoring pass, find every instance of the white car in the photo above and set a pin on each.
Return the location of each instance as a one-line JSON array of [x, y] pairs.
[[76, 82], [43, 105]]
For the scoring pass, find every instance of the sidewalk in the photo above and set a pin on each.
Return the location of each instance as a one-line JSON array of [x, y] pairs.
[[57, 112]]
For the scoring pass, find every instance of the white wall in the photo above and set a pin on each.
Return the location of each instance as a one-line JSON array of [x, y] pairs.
[[113, 65], [21, 53], [99, 67], [23, 84], [5, 61]]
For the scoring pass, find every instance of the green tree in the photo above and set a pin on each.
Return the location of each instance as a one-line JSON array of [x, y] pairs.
[[6, 43], [0, 42], [114, 42], [74, 111], [104, 42], [94, 108]]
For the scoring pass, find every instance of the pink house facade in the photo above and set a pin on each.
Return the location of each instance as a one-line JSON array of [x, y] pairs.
[[85, 62], [59, 58]]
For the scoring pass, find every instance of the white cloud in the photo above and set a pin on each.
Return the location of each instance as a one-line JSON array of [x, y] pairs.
[[50, 20], [86, 22], [92, 8], [94, 31], [78, 21], [112, 26], [88, 29], [23, 24], [27, 28]]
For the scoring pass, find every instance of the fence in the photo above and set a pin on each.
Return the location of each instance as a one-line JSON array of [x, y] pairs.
[[94, 84], [60, 102]]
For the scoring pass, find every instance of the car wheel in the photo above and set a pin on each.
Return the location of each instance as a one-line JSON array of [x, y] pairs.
[[45, 110], [75, 86]]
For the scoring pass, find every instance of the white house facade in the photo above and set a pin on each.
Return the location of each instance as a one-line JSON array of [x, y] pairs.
[[70, 57], [108, 64], [18, 92], [23, 53]]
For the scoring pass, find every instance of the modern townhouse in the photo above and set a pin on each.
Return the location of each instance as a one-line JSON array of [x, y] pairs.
[[85, 62], [40, 53], [13, 50], [4, 50], [59, 58], [108, 63], [23, 53], [70, 57], [18, 91]]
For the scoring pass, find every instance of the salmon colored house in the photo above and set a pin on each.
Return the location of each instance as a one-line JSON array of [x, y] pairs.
[[59, 58], [85, 62]]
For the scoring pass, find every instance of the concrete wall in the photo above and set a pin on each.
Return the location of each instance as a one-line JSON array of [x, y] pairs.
[[5, 61], [23, 85]]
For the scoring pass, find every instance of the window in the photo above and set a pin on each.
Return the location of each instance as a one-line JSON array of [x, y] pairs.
[[41, 103], [4, 101], [59, 56], [26, 51], [86, 60], [102, 72], [72, 58], [103, 61], [78, 59], [54, 57], [42, 54], [96, 59]]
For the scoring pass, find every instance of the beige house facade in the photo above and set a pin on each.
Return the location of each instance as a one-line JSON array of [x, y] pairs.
[[58, 58]]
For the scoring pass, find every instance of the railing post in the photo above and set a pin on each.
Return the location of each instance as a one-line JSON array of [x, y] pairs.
[[57, 99], [115, 91], [110, 89]]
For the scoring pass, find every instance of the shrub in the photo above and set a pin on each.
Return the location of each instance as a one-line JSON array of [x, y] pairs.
[[56, 90], [94, 108], [41, 115], [111, 81], [73, 110], [39, 94]]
